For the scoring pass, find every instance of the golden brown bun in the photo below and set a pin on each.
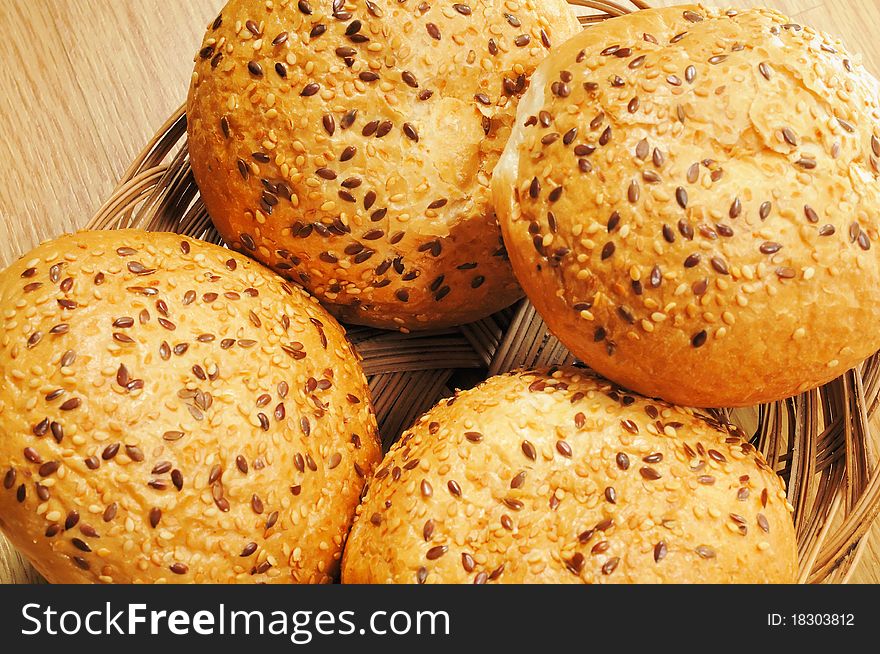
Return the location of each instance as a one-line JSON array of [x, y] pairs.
[[174, 412], [357, 160], [720, 248], [561, 477]]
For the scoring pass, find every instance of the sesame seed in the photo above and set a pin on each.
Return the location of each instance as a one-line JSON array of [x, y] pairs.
[[610, 565], [681, 197], [717, 456], [436, 552], [649, 473], [692, 260], [608, 250], [705, 552], [720, 266], [806, 163], [633, 192]]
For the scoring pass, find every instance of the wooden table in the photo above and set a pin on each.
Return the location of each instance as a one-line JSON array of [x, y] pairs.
[[87, 82]]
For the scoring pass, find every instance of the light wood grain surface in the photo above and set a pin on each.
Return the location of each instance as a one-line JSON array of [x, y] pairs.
[[85, 83]]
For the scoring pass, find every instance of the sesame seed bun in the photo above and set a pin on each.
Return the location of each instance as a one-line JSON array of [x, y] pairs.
[[349, 146], [175, 412], [561, 477], [690, 200]]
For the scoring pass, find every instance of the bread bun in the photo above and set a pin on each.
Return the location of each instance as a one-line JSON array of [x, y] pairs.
[[561, 477], [174, 412], [349, 145], [690, 199]]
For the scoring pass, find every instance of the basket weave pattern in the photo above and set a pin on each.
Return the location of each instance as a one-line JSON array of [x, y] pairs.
[[820, 441]]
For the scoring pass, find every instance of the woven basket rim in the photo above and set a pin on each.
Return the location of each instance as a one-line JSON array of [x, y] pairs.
[[158, 193]]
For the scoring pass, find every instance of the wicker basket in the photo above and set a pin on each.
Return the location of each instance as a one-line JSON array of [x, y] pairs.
[[820, 442]]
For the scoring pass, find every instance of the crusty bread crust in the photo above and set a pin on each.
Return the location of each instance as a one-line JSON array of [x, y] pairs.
[[690, 199], [562, 477], [174, 412], [352, 151]]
